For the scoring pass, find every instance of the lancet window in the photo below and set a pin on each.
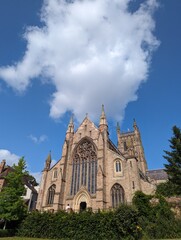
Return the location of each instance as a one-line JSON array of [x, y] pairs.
[[118, 166], [51, 194], [84, 168], [117, 195], [55, 173]]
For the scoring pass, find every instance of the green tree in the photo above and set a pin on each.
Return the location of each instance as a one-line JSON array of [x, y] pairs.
[[173, 168], [166, 189], [142, 203], [12, 207]]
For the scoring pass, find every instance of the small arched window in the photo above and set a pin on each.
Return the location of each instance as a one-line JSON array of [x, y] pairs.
[[118, 166], [55, 173], [51, 194]]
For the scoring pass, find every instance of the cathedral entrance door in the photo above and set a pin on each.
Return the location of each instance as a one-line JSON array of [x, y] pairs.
[[83, 206]]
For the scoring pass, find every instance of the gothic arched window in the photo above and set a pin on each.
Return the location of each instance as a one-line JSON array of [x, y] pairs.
[[118, 166], [84, 168], [117, 195], [51, 194], [55, 173]]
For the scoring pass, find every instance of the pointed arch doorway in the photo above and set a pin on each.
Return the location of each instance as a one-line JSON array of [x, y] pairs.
[[82, 200], [83, 206]]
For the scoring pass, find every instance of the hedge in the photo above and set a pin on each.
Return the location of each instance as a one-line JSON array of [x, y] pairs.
[[144, 219], [7, 232], [119, 224]]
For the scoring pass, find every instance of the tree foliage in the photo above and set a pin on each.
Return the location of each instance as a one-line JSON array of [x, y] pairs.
[[156, 217], [173, 167], [167, 189], [12, 207]]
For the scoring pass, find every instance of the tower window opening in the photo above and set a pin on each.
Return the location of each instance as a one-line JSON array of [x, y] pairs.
[[125, 146]]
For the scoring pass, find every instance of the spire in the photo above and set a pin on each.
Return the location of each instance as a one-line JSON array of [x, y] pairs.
[[135, 125], [118, 128], [71, 125], [48, 161], [103, 121], [70, 129]]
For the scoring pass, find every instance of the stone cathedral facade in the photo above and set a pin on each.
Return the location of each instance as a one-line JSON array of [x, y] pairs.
[[93, 172]]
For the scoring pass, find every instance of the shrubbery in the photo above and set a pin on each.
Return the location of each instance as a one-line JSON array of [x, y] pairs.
[[156, 217], [148, 218], [7, 232], [122, 223]]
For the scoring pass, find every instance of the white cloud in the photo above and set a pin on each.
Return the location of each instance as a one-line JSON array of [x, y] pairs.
[[38, 140], [53, 162], [10, 158], [37, 176], [94, 52]]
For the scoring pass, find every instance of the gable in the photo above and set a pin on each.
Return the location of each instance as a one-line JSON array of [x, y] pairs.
[[86, 129]]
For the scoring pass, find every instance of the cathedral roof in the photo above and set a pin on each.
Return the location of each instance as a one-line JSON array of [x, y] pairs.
[[158, 174], [113, 147]]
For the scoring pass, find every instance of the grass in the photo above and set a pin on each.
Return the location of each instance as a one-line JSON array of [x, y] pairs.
[[22, 238]]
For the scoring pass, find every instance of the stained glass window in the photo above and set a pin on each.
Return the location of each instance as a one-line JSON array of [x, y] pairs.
[[117, 195], [84, 168], [51, 194]]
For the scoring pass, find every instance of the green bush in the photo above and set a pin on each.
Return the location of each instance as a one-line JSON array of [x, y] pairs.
[[123, 223], [143, 219], [7, 232], [157, 219], [126, 220], [167, 189]]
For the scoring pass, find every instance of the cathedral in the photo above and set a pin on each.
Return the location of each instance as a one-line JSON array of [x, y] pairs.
[[93, 173]]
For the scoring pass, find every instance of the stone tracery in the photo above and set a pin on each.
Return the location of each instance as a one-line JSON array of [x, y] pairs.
[[84, 168], [117, 195]]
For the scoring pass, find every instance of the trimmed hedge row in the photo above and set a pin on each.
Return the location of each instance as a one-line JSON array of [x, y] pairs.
[[148, 218], [7, 232], [121, 224]]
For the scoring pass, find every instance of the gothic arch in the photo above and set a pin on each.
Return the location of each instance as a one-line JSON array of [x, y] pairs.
[[84, 139], [51, 194], [82, 196], [117, 195], [117, 165], [84, 167]]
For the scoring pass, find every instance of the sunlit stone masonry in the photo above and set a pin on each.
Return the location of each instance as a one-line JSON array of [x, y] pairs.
[[93, 172]]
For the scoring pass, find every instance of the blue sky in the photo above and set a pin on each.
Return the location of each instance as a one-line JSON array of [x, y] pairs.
[[37, 95]]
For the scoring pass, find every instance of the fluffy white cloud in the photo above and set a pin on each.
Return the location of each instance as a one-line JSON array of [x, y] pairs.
[[38, 140], [10, 158], [37, 176], [94, 52]]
